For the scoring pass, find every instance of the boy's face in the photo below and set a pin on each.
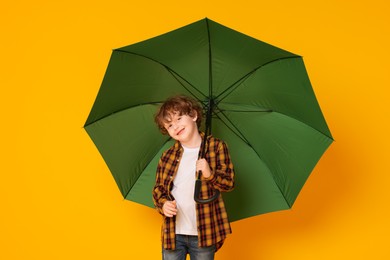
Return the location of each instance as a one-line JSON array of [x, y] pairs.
[[181, 127]]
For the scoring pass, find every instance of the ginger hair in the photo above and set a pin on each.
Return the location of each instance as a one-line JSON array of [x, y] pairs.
[[183, 105]]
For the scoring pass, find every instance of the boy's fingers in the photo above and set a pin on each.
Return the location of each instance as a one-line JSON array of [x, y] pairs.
[[170, 208], [169, 211]]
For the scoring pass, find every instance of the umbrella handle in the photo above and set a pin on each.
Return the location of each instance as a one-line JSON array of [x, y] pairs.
[[198, 182], [197, 198]]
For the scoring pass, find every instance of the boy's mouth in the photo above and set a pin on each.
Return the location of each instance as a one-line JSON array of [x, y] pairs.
[[179, 132]]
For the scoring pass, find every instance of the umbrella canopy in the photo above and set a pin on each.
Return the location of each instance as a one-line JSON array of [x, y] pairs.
[[263, 107]]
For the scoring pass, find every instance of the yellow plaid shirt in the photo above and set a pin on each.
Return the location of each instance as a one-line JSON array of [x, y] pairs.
[[212, 220]]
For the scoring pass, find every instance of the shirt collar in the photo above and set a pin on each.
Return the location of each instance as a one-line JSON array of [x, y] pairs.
[[177, 145]]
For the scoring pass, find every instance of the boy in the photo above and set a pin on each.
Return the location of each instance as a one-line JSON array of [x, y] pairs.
[[189, 227]]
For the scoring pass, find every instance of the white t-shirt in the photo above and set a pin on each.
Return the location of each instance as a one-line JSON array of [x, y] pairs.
[[183, 192]]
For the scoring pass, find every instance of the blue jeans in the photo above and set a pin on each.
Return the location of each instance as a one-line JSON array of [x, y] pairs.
[[189, 245]]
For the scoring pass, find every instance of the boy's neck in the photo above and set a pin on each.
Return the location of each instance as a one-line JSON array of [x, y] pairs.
[[194, 142]]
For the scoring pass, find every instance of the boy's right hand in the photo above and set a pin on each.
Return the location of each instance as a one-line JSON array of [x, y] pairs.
[[169, 208]]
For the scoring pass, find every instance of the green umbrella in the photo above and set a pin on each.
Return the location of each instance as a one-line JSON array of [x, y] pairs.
[[263, 107]]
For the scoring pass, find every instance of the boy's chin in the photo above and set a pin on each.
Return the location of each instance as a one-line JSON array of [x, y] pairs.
[[175, 137]]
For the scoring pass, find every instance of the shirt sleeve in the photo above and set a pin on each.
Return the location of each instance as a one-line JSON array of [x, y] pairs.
[[160, 194], [222, 177]]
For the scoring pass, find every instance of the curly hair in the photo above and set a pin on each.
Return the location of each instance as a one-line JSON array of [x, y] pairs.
[[181, 104]]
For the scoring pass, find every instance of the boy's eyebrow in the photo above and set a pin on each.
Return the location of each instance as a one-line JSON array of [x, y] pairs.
[[166, 120]]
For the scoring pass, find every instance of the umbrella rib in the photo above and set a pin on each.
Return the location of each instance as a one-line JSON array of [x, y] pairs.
[[210, 59], [242, 137], [210, 100], [123, 109], [234, 129], [289, 116], [171, 71], [128, 192], [239, 82], [175, 75]]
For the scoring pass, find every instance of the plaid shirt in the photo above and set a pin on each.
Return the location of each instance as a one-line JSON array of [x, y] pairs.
[[212, 220]]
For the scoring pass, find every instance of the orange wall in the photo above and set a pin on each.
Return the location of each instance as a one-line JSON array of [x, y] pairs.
[[58, 199]]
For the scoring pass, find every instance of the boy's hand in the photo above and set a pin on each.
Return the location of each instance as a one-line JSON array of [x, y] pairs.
[[169, 208], [203, 165]]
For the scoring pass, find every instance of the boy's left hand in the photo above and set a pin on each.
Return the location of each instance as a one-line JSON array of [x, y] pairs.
[[203, 165]]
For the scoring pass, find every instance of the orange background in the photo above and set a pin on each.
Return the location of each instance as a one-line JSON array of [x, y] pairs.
[[58, 199]]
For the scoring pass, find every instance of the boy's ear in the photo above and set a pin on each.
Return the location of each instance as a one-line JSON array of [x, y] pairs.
[[195, 117]]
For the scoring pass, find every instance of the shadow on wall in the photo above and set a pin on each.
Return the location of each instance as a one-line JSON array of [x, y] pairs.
[[327, 191]]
